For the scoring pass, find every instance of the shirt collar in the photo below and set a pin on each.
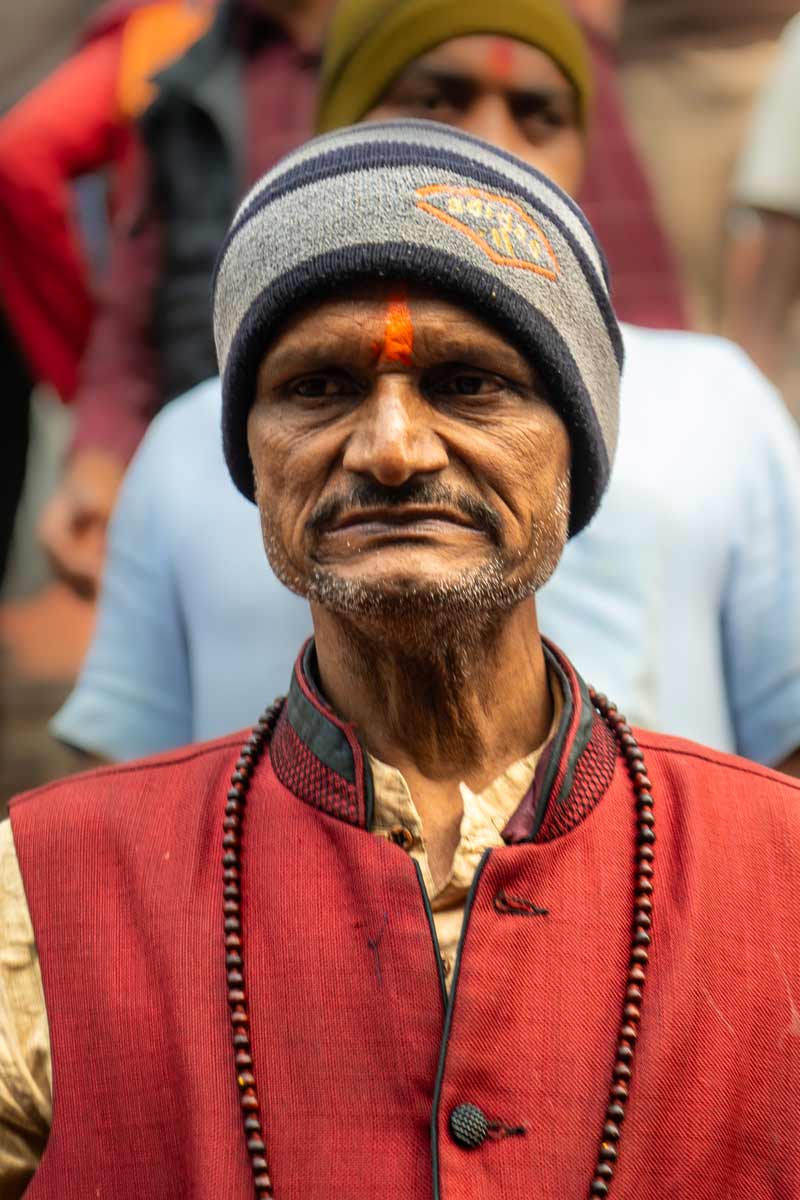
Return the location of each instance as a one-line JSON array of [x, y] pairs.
[[321, 759]]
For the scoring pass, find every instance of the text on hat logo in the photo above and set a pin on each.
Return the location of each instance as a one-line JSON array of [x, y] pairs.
[[497, 224]]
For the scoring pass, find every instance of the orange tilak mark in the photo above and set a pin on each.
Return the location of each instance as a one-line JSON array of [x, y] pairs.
[[398, 333], [501, 57]]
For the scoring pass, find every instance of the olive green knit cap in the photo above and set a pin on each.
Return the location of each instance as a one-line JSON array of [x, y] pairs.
[[371, 41]]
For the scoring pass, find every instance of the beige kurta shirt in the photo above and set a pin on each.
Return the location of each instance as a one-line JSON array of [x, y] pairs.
[[25, 1066]]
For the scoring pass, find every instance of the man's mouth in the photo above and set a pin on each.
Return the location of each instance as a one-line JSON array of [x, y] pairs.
[[410, 518], [412, 512]]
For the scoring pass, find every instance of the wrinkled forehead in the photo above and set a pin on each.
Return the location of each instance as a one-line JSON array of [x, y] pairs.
[[391, 320]]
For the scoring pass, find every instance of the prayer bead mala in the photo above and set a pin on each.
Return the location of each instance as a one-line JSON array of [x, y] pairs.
[[622, 1072]]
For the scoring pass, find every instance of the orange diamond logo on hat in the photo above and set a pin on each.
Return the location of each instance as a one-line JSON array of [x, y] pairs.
[[502, 229]]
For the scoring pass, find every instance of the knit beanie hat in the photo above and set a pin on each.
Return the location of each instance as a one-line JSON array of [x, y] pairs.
[[419, 201], [370, 42]]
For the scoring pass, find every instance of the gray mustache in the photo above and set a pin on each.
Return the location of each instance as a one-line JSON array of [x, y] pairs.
[[373, 495]]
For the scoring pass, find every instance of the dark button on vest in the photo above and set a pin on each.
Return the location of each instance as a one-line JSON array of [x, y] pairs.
[[468, 1126]]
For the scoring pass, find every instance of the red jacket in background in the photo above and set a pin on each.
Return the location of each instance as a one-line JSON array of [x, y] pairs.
[[124, 380], [359, 1055], [75, 123]]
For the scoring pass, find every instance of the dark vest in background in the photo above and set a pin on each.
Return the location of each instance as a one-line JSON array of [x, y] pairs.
[[194, 132]]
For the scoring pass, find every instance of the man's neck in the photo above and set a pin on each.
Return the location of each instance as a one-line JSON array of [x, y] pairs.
[[443, 714]]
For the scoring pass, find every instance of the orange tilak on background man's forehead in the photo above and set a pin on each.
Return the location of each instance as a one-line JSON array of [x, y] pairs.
[[500, 58], [397, 344]]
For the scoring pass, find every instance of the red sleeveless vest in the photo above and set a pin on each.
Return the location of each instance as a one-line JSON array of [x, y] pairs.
[[360, 1060]]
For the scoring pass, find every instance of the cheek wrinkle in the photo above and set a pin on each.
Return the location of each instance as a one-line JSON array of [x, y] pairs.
[[398, 333]]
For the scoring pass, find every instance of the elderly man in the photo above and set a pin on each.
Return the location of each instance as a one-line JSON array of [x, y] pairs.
[[680, 595], [443, 926]]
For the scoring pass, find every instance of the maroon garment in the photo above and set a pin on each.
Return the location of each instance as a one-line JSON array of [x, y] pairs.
[[360, 1057], [119, 392], [618, 200], [280, 86], [121, 389]]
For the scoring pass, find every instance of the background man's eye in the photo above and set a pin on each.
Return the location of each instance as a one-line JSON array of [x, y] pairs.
[[540, 122], [543, 125], [429, 104], [432, 102]]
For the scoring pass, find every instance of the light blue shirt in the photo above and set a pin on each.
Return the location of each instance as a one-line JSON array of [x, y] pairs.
[[680, 600]]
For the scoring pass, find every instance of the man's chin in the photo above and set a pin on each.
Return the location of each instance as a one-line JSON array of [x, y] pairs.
[[422, 597], [394, 594], [422, 600]]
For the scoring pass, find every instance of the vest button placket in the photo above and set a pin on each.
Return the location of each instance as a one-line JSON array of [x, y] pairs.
[[468, 1124]]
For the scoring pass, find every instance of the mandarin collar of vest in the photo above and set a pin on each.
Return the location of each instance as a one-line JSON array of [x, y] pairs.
[[321, 759]]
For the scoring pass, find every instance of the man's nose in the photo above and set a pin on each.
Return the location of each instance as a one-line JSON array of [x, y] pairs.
[[489, 116], [394, 439]]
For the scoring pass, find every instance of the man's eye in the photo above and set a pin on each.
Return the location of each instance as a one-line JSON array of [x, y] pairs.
[[432, 102], [466, 383], [540, 122], [428, 102], [319, 387], [543, 125]]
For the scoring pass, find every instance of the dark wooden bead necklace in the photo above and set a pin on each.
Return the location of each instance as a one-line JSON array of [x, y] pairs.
[[622, 1071]]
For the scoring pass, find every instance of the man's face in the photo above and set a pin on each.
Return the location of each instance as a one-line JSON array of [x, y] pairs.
[[405, 459], [501, 90]]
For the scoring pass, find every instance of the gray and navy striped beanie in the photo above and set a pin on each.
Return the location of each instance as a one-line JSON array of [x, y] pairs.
[[414, 200]]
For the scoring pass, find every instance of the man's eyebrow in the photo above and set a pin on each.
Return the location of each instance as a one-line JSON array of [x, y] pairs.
[[443, 346], [435, 344], [297, 352], [455, 77], [305, 356], [448, 344]]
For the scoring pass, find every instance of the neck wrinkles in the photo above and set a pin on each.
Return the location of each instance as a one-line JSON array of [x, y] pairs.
[[453, 704]]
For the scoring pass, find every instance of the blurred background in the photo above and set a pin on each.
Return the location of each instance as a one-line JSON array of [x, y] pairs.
[[694, 184]]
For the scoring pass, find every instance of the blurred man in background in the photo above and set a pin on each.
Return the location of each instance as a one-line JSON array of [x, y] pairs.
[[34, 38], [75, 123], [65, 149], [225, 112]]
